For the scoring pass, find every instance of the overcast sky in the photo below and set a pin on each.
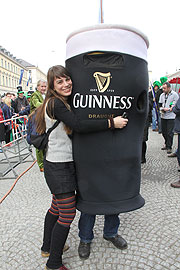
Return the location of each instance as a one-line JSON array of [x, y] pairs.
[[36, 30]]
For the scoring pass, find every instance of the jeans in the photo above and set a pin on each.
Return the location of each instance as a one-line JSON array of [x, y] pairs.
[[159, 122], [86, 225], [154, 118]]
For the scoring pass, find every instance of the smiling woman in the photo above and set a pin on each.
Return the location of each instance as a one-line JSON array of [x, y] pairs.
[[59, 168], [63, 86]]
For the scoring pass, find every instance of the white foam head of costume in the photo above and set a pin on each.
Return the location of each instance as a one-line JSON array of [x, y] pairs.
[[107, 37]]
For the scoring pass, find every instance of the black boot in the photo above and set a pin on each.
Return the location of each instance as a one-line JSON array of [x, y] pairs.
[[49, 222], [58, 239], [84, 250], [117, 241]]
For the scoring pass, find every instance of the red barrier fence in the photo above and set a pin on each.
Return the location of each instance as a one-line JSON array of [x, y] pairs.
[[17, 150]]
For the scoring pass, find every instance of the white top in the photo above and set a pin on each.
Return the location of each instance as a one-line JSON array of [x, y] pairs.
[[166, 100], [107, 37], [59, 146]]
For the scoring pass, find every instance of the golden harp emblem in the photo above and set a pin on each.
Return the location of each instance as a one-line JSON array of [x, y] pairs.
[[102, 80]]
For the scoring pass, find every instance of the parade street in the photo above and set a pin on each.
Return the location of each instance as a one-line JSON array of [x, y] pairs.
[[152, 232]]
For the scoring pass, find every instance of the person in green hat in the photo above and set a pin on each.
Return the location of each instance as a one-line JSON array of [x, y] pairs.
[[166, 102], [29, 97], [154, 96], [20, 102]]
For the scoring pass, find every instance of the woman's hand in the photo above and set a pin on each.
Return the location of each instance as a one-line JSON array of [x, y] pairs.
[[120, 122]]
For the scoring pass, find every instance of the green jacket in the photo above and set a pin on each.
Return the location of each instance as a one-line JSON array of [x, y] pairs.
[[36, 100]]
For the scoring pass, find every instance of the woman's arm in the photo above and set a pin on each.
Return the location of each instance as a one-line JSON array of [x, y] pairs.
[[61, 113]]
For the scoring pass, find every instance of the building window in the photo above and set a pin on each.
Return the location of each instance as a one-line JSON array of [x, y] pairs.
[[1, 62], [5, 64], [12, 83], [11, 67], [3, 81], [9, 82], [6, 81], [8, 67]]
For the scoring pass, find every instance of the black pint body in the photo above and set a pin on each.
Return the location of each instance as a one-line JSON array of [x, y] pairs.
[[106, 84]]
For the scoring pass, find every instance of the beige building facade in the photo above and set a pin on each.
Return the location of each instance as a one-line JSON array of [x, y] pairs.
[[10, 72]]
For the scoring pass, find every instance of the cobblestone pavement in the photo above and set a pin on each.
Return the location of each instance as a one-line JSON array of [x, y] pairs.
[[152, 232]]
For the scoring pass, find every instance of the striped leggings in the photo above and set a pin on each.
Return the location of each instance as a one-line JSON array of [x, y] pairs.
[[61, 213], [64, 206], [56, 228]]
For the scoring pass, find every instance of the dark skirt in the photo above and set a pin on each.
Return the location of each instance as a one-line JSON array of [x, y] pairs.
[[60, 176]]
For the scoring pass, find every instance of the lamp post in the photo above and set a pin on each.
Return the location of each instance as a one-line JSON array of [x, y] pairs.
[[101, 11]]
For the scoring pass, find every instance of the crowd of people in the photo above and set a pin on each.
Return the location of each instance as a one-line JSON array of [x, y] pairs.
[[164, 118], [48, 104], [14, 105]]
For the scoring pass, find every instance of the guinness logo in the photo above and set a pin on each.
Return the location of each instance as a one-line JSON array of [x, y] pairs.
[[102, 80]]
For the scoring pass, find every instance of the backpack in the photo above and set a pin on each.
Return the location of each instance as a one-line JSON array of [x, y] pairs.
[[39, 141]]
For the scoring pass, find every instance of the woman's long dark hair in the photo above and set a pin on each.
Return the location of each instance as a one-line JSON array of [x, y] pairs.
[[54, 72]]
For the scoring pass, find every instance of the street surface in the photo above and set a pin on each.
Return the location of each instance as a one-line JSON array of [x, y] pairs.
[[152, 232]]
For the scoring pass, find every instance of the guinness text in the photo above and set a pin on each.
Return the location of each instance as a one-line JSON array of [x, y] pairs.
[[102, 101]]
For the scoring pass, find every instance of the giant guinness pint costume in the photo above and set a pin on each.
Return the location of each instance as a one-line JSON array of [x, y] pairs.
[[108, 66]]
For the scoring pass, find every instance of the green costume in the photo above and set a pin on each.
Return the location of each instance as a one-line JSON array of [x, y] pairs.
[[40, 158], [35, 102]]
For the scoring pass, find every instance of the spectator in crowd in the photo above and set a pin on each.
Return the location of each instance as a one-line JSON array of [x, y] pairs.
[[21, 101], [38, 96], [167, 99], [2, 127], [156, 117], [2, 101], [29, 97], [8, 113], [9, 95], [13, 97], [36, 100], [26, 111]]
